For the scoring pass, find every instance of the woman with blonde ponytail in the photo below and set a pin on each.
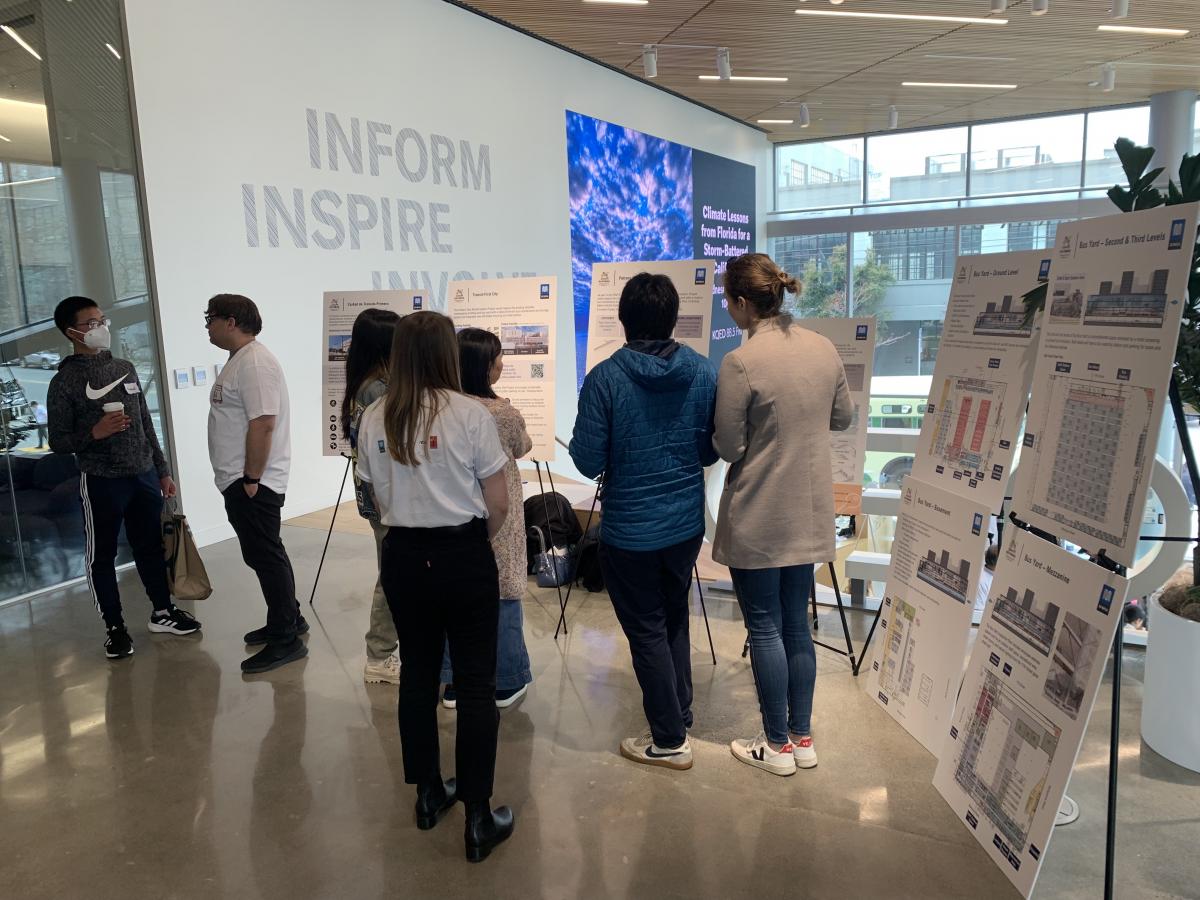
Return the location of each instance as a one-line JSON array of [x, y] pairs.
[[778, 397]]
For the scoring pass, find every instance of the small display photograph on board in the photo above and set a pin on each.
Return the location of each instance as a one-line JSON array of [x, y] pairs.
[[200, 376], [183, 378]]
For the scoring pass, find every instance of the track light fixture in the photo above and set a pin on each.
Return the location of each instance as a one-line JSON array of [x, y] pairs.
[[1108, 77], [893, 118], [805, 121], [1040, 7], [1119, 9], [724, 72], [999, 6], [650, 60]]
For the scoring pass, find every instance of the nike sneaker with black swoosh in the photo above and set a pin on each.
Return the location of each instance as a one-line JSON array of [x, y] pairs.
[[643, 750]]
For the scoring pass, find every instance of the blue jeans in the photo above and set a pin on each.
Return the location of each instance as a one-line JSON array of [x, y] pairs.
[[512, 658], [774, 604]]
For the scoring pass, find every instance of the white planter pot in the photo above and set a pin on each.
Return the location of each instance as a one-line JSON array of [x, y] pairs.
[[1170, 711]]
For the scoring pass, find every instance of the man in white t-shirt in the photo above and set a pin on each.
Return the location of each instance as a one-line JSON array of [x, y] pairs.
[[249, 444]]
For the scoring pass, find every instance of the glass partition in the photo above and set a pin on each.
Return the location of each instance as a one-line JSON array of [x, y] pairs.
[[70, 223]]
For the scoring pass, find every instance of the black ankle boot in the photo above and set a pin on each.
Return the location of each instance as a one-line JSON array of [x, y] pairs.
[[433, 800], [485, 828]]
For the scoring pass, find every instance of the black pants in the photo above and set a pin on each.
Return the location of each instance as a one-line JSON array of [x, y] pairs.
[[442, 585], [649, 591], [136, 501], [256, 522]]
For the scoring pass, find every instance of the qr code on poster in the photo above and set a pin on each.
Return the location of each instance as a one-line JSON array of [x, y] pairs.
[[537, 370]]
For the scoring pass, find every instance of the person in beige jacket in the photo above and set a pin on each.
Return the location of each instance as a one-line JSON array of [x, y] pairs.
[[778, 397]]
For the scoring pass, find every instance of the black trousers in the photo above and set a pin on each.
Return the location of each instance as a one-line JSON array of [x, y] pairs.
[[256, 522], [650, 592], [442, 586], [135, 501]]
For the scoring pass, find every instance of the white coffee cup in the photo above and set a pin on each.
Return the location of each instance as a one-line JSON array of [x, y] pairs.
[[114, 406]]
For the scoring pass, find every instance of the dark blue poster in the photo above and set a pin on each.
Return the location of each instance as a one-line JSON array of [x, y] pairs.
[[637, 197]]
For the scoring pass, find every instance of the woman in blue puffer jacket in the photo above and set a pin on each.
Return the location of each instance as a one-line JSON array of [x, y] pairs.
[[646, 422]]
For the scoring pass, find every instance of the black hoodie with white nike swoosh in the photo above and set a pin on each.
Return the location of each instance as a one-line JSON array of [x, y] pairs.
[[75, 403]]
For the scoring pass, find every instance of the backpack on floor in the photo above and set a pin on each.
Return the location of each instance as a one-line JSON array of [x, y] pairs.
[[552, 514], [587, 562]]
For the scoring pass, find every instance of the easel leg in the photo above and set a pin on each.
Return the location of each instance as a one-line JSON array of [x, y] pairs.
[[870, 634], [562, 611], [700, 589], [1110, 846], [329, 534], [537, 467], [849, 651]]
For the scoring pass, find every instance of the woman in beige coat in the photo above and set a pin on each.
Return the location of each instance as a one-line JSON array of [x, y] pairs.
[[778, 397]]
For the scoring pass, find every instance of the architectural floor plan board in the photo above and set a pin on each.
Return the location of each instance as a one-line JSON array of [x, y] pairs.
[[928, 600], [1116, 295], [693, 279], [1021, 714], [981, 377], [855, 343], [522, 313]]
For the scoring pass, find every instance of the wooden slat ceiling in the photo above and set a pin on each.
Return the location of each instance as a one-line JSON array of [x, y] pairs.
[[849, 70]]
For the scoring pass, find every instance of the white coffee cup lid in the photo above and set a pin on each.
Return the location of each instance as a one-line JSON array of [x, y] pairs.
[[114, 406]]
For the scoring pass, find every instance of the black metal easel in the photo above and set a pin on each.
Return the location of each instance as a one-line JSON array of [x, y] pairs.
[[329, 533], [837, 592], [563, 601]]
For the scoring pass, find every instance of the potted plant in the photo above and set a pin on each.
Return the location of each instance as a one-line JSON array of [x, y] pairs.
[[1170, 713]]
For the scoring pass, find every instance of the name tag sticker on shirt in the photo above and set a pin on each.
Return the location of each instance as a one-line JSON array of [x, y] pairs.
[[433, 442], [382, 446], [218, 393], [131, 387]]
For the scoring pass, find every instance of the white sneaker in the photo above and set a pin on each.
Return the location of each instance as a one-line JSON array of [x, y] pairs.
[[643, 750], [384, 672], [759, 753], [802, 750]]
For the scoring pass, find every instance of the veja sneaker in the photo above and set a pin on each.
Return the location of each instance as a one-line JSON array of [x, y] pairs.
[[802, 750], [643, 750], [173, 620], [759, 753], [386, 671]]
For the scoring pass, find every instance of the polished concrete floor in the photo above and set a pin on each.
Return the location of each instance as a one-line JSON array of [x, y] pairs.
[[169, 775]]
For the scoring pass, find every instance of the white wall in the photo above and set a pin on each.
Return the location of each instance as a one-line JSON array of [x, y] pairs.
[[221, 95]]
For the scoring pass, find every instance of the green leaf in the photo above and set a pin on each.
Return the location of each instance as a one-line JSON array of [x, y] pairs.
[[1035, 302], [1189, 177], [1121, 198], [1174, 195], [1149, 199], [1134, 158]]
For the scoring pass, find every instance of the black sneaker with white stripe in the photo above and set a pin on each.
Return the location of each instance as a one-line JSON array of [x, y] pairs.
[[173, 620], [119, 644]]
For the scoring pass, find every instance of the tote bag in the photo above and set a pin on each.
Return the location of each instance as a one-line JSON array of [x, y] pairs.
[[185, 569]]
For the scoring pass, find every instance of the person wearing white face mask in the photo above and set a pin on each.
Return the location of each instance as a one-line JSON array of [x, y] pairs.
[[97, 411]]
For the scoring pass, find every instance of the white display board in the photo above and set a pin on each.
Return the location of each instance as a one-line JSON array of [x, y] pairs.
[[1025, 701], [925, 621], [522, 312], [341, 308], [693, 279], [981, 380], [1100, 381], [855, 343]]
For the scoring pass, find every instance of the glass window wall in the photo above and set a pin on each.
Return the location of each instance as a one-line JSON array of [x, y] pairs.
[[918, 165], [70, 223], [811, 176]]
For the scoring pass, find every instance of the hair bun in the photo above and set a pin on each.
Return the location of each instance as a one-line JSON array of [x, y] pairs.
[[790, 284]]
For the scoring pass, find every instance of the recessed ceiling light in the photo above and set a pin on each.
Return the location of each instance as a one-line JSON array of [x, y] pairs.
[[741, 78], [6, 140], [20, 40], [958, 84], [970, 58], [112, 49], [775, 121], [1134, 29], [903, 17]]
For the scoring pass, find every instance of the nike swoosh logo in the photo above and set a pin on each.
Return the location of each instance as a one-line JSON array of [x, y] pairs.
[[650, 752], [94, 394]]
